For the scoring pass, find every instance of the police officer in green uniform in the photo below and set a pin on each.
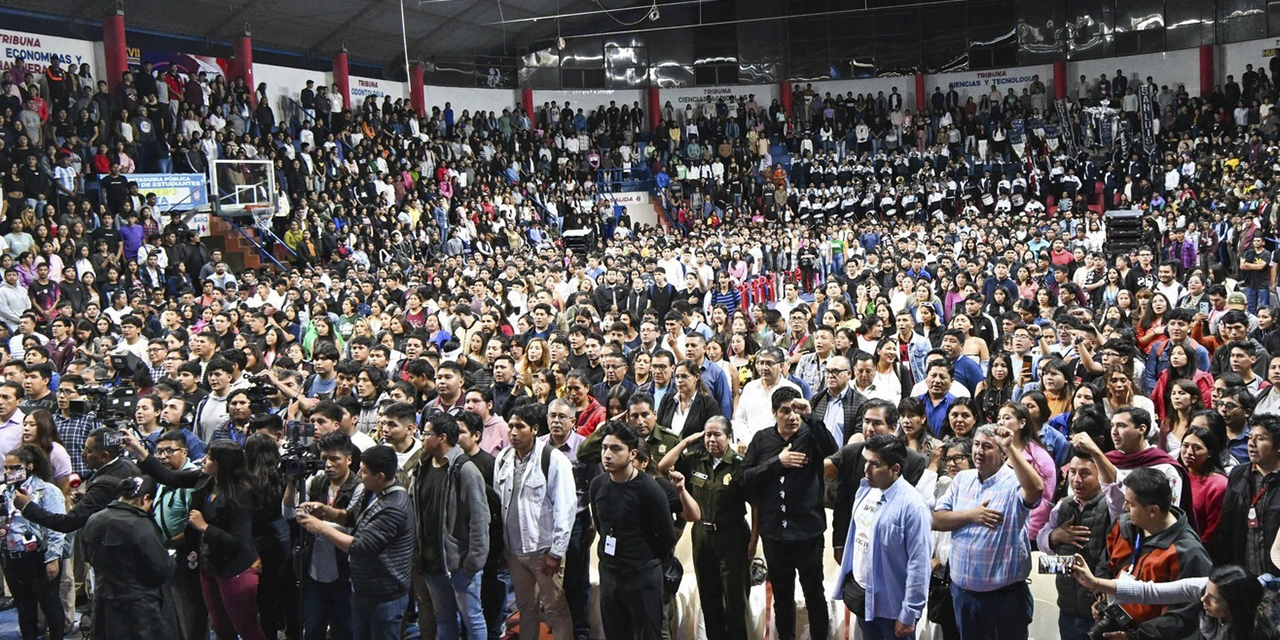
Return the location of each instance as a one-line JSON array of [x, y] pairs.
[[643, 417], [723, 543]]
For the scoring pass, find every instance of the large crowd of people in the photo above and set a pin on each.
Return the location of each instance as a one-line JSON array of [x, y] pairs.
[[437, 414]]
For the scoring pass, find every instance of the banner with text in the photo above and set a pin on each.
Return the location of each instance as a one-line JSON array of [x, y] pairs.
[[36, 51], [362, 88], [764, 94], [174, 191]]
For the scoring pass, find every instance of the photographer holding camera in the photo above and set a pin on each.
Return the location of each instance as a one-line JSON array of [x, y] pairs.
[[1151, 542], [325, 572], [102, 455]]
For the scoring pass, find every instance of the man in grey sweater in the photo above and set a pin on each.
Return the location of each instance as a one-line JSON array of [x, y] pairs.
[[378, 537], [453, 529]]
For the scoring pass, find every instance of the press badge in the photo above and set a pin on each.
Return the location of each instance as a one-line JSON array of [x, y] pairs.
[[1253, 518], [610, 545]]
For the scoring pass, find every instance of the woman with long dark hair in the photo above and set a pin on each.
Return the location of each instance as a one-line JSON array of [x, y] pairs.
[[38, 429], [1234, 604], [1201, 456], [33, 561], [689, 408], [277, 599], [997, 388], [222, 516], [1015, 417]]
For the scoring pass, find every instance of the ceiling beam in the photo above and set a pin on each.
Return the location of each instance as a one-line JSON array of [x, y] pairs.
[[236, 16]]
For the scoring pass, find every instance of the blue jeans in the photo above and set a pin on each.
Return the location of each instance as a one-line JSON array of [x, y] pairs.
[[453, 595], [1255, 298], [326, 606], [372, 620], [1074, 627], [1003, 614], [877, 629]]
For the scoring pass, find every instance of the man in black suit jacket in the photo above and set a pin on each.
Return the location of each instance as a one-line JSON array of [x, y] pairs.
[[108, 469], [839, 373], [847, 465]]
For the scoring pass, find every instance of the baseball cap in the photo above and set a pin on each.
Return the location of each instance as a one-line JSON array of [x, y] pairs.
[[1237, 300]]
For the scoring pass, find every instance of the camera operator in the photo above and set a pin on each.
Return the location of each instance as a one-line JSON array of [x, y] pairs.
[[236, 428], [288, 399], [380, 544], [172, 508], [73, 421], [1152, 541], [102, 451], [325, 573], [174, 417]]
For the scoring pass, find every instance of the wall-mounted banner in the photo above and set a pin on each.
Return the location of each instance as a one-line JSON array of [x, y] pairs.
[[176, 191], [38, 50]]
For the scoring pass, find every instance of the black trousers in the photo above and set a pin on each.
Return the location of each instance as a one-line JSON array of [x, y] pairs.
[[34, 591], [631, 603], [786, 558], [723, 569]]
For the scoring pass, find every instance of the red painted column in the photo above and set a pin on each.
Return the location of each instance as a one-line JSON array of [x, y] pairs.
[[655, 108], [417, 95], [920, 97], [1206, 69], [113, 45], [526, 98], [1059, 78], [242, 54], [342, 77], [784, 96]]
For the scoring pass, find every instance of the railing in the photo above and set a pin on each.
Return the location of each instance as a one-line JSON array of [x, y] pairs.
[[261, 249]]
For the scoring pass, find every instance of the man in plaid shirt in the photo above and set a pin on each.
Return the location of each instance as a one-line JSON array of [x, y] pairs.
[[73, 427], [986, 512]]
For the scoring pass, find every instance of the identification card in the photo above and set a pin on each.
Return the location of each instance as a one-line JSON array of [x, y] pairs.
[[610, 545], [1253, 518]]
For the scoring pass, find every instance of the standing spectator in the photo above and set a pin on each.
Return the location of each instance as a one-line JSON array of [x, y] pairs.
[[1078, 524], [453, 529], [130, 571], [325, 570], [380, 545], [783, 469], [884, 574], [535, 484], [171, 511], [987, 511], [1257, 274], [723, 543], [631, 514], [1251, 506], [1153, 541], [32, 553]]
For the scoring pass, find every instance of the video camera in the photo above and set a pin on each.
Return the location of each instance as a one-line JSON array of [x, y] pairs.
[[300, 457], [113, 407], [260, 393]]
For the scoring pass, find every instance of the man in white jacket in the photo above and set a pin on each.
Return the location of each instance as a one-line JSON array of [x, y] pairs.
[[539, 501]]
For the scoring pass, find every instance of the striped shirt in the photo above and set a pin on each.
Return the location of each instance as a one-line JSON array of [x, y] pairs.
[[984, 558], [730, 299]]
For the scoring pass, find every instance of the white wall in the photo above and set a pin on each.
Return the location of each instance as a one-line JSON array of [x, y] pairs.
[[471, 98], [1232, 58], [975, 83], [287, 83], [906, 85], [1169, 68], [589, 99]]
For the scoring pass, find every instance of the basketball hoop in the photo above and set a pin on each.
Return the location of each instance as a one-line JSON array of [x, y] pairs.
[[261, 214]]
